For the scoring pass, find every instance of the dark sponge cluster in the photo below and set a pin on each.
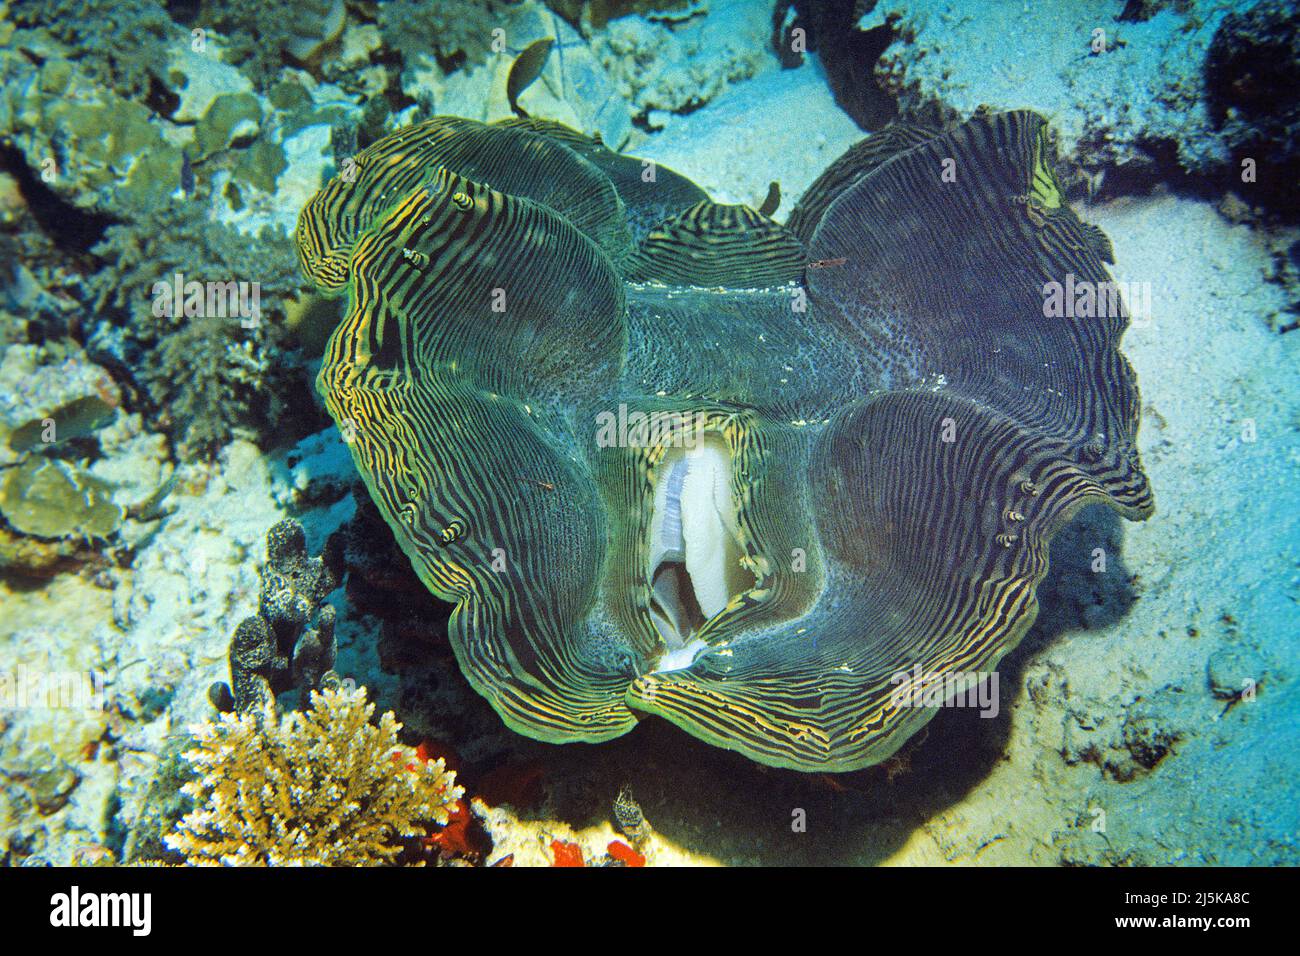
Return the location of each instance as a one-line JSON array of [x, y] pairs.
[[290, 642]]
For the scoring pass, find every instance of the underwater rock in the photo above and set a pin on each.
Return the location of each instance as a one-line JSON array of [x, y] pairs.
[[49, 396], [1252, 70], [573, 88], [54, 499], [47, 779], [12, 203], [1129, 741], [316, 24], [199, 78], [307, 157], [230, 117], [1147, 739], [1233, 671], [760, 564], [1119, 93], [31, 558], [847, 53]]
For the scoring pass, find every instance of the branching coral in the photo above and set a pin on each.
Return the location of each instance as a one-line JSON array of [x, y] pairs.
[[454, 31], [321, 788], [260, 35], [205, 374], [119, 43]]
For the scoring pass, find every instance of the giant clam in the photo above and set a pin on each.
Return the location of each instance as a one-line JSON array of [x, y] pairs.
[[666, 456]]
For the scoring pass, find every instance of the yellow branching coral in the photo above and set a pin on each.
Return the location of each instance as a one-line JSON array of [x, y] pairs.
[[321, 788]]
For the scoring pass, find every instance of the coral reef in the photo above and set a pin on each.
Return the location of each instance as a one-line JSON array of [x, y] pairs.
[[593, 15], [322, 788], [664, 65], [166, 804], [261, 39], [120, 44], [80, 480], [456, 32], [573, 87]]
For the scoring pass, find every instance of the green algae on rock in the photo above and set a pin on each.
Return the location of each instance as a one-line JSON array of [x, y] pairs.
[[53, 499], [743, 499]]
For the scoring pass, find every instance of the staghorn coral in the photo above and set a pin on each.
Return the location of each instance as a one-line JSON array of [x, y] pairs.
[[118, 43], [456, 32], [321, 788]]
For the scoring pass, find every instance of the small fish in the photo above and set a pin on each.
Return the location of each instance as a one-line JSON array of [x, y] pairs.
[[187, 175], [343, 142], [544, 485], [827, 263], [773, 200], [527, 67], [628, 815]]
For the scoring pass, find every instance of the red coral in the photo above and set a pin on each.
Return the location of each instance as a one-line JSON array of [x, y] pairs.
[[625, 854], [454, 839], [433, 749], [566, 854]]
